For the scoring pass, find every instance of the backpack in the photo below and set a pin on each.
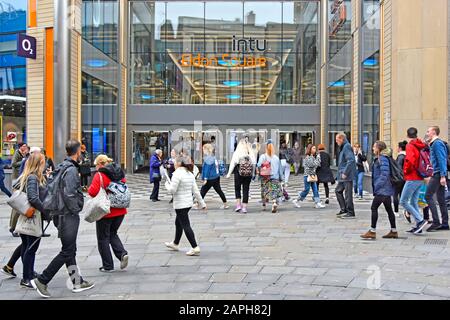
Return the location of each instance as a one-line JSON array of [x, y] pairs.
[[54, 201], [245, 167], [266, 169], [119, 194], [222, 170], [425, 169], [397, 178]]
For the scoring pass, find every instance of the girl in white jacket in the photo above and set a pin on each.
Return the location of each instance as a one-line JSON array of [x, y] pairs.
[[183, 186]]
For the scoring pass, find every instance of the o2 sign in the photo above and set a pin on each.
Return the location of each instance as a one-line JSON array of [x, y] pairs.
[[26, 46]]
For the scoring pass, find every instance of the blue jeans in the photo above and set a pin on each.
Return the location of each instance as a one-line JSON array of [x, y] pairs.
[[410, 198], [358, 183], [302, 195]]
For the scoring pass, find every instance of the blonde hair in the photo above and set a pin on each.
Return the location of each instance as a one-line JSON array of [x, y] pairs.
[[270, 150], [33, 166], [208, 149], [103, 160]]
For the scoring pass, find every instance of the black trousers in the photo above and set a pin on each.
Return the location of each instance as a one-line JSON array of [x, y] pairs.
[[345, 201], [15, 256], [155, 191], [435, 187], [68, 231], [107, 236], [182, 223], [215, 183], [326, 187], [387, 202], [28, 255], [397, 194], [243, 183], [84, 180]]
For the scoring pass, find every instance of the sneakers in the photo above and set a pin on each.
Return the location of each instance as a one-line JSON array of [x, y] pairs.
[[391, 235], [172, 246], [341, 213], [407, 216], [244, 210], [102, 269], [443, 228], [348, 216], [319, 205], [327, 201], [274, 208], [224, 206], [360, 198], [433, 227], [26, 284], [369, 235], [40, 288], [194, 252], [85, 285], [238, 208], [124, 262], [296, 203], [8, 271], [420, 226]]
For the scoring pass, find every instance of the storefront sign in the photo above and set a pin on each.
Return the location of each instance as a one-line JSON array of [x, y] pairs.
[[339, 11], [26, 46]]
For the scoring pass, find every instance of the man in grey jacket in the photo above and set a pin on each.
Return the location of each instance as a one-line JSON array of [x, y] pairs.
[[346, 175], [67, 223]]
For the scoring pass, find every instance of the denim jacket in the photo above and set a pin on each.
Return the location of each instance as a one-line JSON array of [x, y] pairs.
[[438, 157], [209, 170], [275, 165]]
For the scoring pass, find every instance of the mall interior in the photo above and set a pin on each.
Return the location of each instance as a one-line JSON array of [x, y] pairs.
[[128, 77]]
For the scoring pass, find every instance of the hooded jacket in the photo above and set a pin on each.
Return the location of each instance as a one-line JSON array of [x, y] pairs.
[[381, 175], [110, 173], [412, 160], [210, 170]]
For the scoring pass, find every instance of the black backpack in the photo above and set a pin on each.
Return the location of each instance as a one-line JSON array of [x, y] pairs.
[[54, 201], [397, 177]]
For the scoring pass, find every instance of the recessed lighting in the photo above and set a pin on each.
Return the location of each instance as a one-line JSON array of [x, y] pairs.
[[233, 96], [232, 83], [96, 63], [147, 96]]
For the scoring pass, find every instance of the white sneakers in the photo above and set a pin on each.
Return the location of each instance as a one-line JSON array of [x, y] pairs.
[[192, 252], [319, 205], [224, 206], [296, 203]]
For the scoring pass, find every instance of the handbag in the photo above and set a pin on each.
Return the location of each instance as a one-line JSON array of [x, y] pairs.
[[97, 207], [312, 178], [30, 226], [19, 201]]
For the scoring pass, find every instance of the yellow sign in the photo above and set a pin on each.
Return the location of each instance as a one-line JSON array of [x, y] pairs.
[[227, 60]]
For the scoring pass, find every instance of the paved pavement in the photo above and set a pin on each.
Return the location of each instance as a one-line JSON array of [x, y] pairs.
[[296, 254]]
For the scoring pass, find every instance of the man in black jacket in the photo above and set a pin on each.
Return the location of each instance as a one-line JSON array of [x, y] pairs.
[[67, 223], [399, 188]]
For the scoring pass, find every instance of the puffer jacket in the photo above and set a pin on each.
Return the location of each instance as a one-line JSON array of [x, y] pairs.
[[73, 196], [311, 163], [155, 164], [381, 175], [209, 169], [412, 160], [182, 186]]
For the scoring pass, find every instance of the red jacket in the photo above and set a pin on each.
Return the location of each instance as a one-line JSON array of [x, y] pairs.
[[412, 160], [94, 189]]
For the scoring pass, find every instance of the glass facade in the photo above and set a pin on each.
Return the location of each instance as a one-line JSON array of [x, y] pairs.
[[100, 69], [12, 78], [229, 52]]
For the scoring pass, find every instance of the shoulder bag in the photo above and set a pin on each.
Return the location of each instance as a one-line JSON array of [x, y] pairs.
[[97, 207]]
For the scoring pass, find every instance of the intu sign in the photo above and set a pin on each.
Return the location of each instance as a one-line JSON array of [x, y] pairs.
[[26, 46]]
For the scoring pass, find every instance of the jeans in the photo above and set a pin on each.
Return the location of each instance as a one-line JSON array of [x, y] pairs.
[[410, 197], [308, 185], [215, 183], [376, 203], [358, 183], [107, 236], [345, 202], [28, 255], [67, 230], [3, 187], [244, 182], [182, 223], [287, 170], [435, 187], [15, 256], [155, 191]]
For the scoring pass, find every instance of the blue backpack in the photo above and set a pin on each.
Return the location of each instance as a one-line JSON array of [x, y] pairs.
[[221, 168]]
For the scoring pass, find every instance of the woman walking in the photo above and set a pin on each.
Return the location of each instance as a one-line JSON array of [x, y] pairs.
[[242, 165], [271, 174], [107, 228], [311, 162], [360, 158], [210, 175], [296, 157], [286, 158], [383, 190], [182, 186], [155, 174], [324, 174], [33, 183]]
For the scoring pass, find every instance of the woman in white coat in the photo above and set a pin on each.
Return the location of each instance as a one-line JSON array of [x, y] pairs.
[[182, 186]]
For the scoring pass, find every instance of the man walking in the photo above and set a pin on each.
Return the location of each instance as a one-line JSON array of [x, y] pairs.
[[67, 223], [438, 182], [413, 181], [346, 175]]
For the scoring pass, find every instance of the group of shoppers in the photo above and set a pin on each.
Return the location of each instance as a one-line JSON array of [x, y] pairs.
[[43, 183]]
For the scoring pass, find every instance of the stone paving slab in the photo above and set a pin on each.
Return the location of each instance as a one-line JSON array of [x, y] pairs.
[[294, 254]]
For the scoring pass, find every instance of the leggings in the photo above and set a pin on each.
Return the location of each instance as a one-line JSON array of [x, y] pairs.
[[387, 202], [327, 189], [215, 183], [245, 183], [15, 256], [182, 223]]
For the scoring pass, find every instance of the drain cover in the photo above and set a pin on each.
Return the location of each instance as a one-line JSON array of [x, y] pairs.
[[436, 242]]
